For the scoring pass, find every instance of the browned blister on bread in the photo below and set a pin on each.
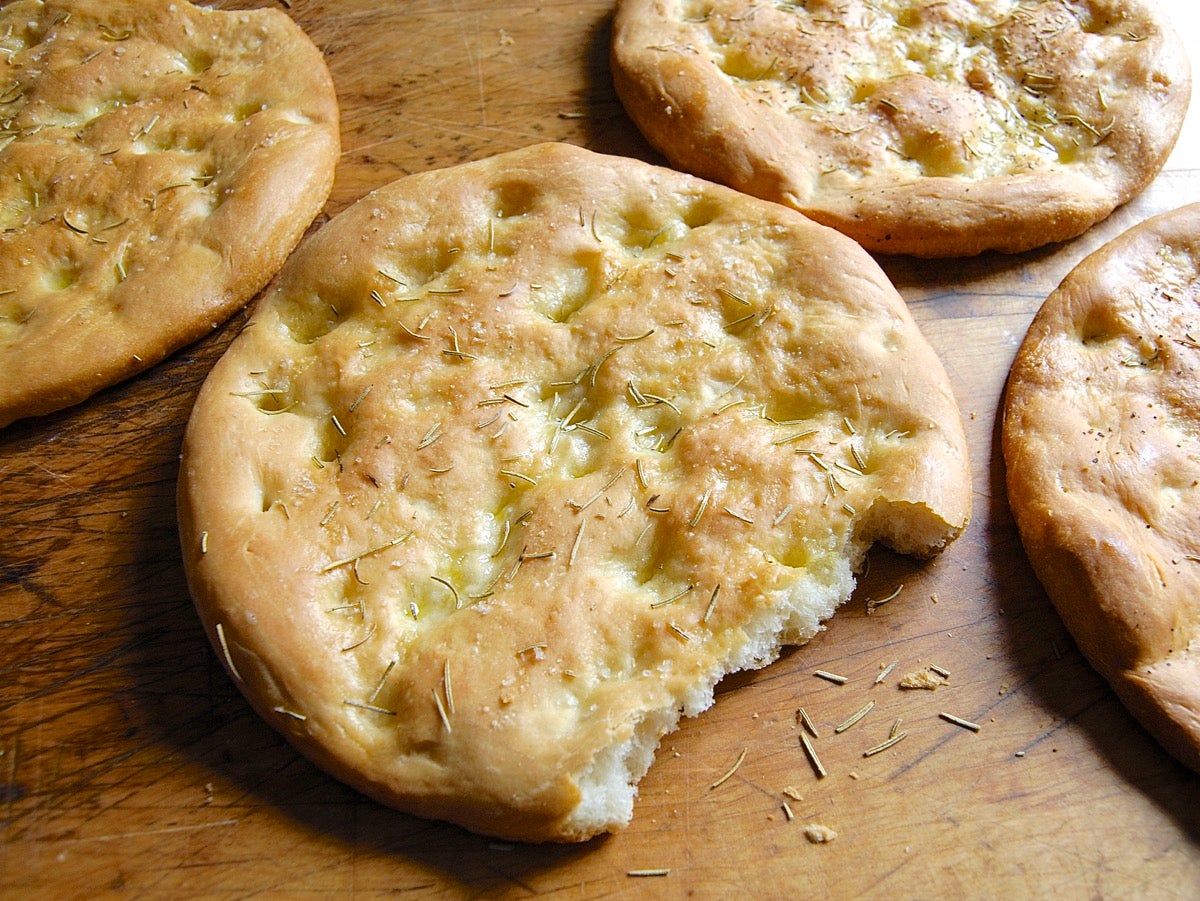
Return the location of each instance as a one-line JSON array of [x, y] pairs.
[[158, 161], [517, 459], [1099, 436], [934, 129]]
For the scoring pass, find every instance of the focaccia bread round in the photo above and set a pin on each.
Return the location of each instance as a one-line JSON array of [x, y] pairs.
[[158, 162], [932, 129], [516, 460], [1099, 436]]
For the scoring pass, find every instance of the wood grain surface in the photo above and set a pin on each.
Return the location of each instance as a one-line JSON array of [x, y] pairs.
[[130, 765]]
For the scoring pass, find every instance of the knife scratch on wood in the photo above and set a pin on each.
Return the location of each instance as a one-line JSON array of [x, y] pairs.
[[166, 830]]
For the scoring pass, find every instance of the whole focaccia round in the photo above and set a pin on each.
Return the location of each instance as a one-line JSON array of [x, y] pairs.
[[1099, 435], [158, 162], [517, 459], [933, 129]]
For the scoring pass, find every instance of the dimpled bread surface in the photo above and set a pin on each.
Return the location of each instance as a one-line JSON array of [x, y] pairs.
[[1099, 436], [517, 459], [927, 128], [158, 162]]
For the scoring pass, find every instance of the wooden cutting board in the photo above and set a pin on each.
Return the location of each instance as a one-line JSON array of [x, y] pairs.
[[130, 764]]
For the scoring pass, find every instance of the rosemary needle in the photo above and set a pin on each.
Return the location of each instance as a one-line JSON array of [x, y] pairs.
[[883, 746], [832, 677], [329, 567], [733, 769], [854, 718], [812, 756], [959, 721]]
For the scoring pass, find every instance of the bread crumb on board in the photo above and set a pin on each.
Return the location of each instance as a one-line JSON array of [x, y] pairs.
[[819, 834], [922, 679]]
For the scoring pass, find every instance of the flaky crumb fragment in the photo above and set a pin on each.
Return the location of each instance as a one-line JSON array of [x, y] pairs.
[[819, 834], [925, 678]]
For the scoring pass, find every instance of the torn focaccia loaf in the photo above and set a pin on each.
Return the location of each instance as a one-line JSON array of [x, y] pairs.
[[158, 161], [1099, 436], [517, 459], [935, 129]]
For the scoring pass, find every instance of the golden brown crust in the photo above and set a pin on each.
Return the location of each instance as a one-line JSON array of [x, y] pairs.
[[516, 459], [159, 162], [933, 129], [1099, 436]]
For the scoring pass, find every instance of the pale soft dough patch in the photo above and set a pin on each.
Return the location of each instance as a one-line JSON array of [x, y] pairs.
[[158, 162], [517, 459], [1100, 429], [928, 128]]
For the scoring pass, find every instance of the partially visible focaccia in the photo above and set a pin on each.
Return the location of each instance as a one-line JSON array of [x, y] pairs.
[[1099, 436], [517, 459], [158, 162], [926, 128]]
